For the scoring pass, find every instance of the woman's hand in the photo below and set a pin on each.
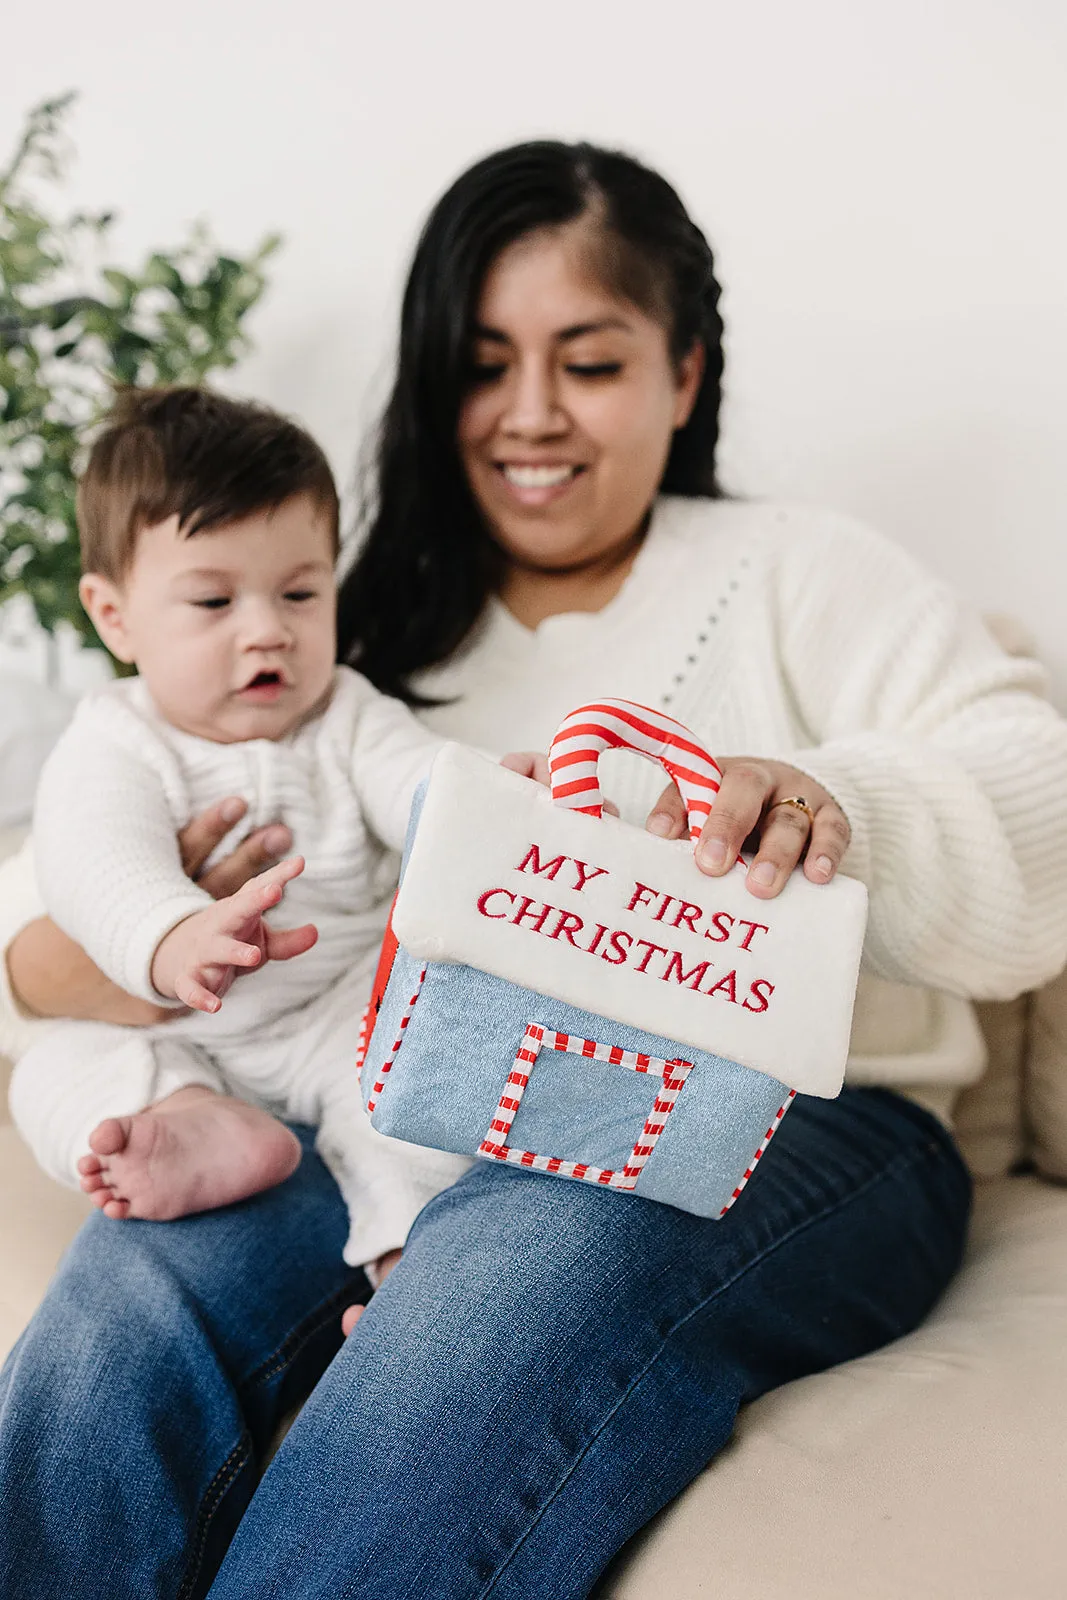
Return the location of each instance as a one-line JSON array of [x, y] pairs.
[[51, 976], [200, 837], [749, 802]]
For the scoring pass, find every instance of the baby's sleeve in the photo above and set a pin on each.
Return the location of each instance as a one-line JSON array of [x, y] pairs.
[[108, 862], [391, 754]]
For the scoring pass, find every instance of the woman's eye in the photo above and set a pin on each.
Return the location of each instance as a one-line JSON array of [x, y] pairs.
[[595, 369], [212, 603], [486, 371]]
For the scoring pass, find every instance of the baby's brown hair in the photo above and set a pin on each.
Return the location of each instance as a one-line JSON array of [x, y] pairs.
[[202, 456]]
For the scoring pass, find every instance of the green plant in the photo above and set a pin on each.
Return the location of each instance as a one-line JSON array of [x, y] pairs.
[[70, 331]]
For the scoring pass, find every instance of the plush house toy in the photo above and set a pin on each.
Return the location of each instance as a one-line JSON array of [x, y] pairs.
[[561, 990]]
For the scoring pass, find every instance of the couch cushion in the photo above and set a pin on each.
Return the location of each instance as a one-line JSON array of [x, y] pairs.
[[988, 1118], [32, 716], [1046, 1078], [929, 1471], [38, 1221]]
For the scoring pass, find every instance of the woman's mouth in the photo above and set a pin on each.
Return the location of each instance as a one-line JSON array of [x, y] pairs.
[[538, 485]]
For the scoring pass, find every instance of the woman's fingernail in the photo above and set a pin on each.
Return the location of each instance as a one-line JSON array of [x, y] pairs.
[[712, 853], [232, 810], [661, 824], [764, 873], [275, 840], [823, 866]]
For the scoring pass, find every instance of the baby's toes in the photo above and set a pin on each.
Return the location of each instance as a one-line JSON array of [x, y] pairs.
[[110, 1136], [92, 1182], [88, 1165], [117, 1210]]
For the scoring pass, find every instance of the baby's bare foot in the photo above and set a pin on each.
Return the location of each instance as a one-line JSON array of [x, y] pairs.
[[194, 1151]]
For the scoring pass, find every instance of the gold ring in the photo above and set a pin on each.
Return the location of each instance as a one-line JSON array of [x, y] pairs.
[[798, 803]]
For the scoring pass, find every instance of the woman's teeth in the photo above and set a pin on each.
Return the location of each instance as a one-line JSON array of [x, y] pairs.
[[538, 477]]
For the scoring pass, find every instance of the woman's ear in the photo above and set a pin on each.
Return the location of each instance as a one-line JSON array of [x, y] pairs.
[[105, 603], [690, 377]]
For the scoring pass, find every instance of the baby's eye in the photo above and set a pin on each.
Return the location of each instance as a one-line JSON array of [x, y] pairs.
[[214, 602], [301, 594]]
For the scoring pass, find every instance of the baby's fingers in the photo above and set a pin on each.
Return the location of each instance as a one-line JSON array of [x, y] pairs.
[[193, 994], [285, 943], [262, 892], [529, 764], [223, 951]]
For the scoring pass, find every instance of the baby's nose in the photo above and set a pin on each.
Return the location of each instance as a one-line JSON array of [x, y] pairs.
[[265, 627]]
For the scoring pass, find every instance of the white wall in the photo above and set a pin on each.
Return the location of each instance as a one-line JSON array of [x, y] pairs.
[[883, 183]]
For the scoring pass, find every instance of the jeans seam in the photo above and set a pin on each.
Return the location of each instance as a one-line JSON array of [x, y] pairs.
[[239, 1456], [295, 1342], [901, 1163], [216, 1490]]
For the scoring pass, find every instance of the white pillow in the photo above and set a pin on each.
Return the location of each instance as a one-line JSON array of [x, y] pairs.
[[31, 719]]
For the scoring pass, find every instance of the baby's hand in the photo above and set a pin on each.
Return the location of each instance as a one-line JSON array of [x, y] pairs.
[[528, 764], [198, 960], [532, 764]]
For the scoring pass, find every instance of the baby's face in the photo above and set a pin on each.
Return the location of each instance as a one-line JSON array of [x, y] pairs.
[[233, 630]]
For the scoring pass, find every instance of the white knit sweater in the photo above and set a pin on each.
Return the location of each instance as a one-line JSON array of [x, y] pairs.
[[802, 636]]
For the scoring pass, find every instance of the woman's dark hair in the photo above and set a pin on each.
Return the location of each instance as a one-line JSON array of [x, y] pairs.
[[428, 563]]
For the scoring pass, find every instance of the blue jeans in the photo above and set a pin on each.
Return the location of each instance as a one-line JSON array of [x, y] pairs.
[[548, 1366]]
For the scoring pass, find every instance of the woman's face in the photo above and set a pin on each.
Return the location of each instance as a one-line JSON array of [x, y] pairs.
[[566, 428]]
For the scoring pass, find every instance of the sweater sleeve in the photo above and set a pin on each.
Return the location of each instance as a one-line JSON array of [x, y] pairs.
[[941, 751], [391, 755], [108, 861]]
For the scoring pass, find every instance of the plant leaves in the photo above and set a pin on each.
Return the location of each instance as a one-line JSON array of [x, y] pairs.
[[119, 330]]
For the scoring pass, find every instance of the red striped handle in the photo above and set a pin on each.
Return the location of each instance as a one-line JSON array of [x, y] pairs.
[[623, 725]]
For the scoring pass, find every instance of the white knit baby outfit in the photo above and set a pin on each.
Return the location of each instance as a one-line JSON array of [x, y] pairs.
[[118, 786]]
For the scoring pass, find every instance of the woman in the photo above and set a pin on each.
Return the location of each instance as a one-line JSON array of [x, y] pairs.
[[548, 1365]]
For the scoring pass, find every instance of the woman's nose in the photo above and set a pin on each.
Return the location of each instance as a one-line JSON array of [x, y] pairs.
[[534, 409]]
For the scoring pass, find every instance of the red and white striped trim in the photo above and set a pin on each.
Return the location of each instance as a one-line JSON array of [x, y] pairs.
[[537, 1038], [387, 1066], [768, 1136], [624, 725], [365, 1031]]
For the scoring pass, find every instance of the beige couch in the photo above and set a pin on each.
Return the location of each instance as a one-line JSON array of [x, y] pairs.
[[934, 1470]]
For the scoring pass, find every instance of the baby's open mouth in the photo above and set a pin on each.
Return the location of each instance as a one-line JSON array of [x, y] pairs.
[[265, 685]]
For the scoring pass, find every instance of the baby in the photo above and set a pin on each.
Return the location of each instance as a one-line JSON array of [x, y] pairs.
[[209, 533]]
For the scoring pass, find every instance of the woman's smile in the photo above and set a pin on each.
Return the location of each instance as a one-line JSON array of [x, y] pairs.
[[541, 484]]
